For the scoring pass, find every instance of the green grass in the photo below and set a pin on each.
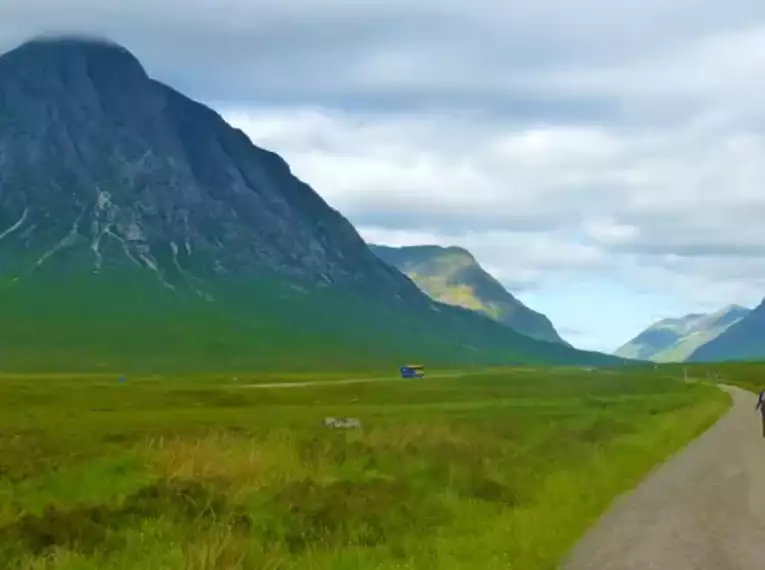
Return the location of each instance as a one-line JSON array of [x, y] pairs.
[[64, 318], [746, 375], [503, 469]]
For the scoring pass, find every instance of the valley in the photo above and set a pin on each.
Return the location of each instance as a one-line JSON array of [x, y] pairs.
[[184, 319]]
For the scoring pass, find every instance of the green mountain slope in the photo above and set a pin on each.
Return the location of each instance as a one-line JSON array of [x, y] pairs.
[[674, 340], [743, 340], [452, 275], [139, 231], [68, 319]]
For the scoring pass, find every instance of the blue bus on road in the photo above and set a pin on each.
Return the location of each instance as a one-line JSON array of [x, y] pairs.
[[413, 371]]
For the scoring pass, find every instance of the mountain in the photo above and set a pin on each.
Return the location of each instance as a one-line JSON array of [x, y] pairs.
[[743, 340], [138, 230], [660, 336], [452, 275], [674, 340]]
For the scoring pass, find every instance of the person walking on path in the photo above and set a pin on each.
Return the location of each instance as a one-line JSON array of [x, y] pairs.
[[761, 406]]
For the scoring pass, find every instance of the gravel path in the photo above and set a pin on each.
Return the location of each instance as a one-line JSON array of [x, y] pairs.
[[702, 510], [350, 381]]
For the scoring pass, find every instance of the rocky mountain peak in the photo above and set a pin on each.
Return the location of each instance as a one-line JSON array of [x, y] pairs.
[[101, 162], [68, 59]]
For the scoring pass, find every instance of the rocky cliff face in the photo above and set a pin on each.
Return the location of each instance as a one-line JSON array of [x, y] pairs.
[[97, 157]]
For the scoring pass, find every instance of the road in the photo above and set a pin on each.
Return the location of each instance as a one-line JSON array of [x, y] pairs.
[[350, 381], [704, 509]]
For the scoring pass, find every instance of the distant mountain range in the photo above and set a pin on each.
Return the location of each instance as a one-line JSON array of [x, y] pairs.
[[676, 340], [139, 231], [743, 340], [453, 276]]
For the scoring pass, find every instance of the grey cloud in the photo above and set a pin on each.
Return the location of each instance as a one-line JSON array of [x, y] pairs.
[[744, 251], [427, 217], [653, 195], [509, 58], [569, 332]]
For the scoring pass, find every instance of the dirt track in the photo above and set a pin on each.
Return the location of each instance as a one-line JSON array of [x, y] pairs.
[[702, 510], [348, 381]]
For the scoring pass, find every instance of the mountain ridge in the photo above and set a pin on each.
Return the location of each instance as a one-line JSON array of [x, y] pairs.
[[102, 63], [452, 275], [676, 339], [742, 340]]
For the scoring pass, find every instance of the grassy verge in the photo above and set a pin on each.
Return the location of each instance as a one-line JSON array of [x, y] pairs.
[[497, 470], [747, 375]]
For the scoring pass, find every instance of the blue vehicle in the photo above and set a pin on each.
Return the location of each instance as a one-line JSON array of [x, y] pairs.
[[413, 371]]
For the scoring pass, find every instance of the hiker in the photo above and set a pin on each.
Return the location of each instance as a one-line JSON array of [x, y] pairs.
[[761, 406]]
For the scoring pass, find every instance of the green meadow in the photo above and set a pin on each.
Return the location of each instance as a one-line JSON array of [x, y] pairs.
[[746, 375], [64, 318], [500, 469]]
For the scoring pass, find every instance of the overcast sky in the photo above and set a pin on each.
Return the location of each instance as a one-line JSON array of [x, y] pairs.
[[604, 159]]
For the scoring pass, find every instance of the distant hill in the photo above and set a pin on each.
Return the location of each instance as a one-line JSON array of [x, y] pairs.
[[138, 230], [453, 276], [743, 340], [674, 340]]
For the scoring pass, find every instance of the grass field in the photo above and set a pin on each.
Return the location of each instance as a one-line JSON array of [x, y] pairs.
[[746, 375], [503, 469], [121, 320]]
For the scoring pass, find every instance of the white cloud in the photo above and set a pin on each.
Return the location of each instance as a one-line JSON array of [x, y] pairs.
[[667, 210], [627, 188]]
